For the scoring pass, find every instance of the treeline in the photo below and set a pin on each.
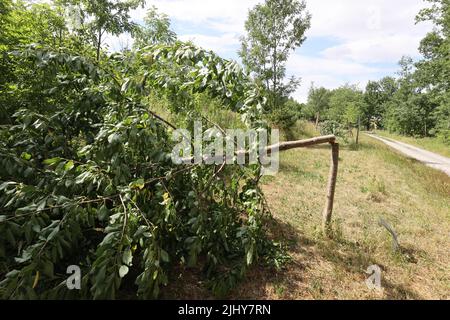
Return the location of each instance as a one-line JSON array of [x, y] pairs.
[[416, 102]]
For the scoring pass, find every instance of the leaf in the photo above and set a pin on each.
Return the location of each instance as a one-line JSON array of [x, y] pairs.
[[82, 177], [164, 255], [36, 280], [26, 256], [26, 156], [6, 184], [41, 205], [69, 166], [2, 218], [138, 184], [250, 255], [48, 269], [123, 270], [114, 138], [140, 231], [125, 85], [102, 213], [68, 183], [28, 171], [53, 233], [12, 274], [100, 276], [52, 161], [36, 228], [190, 240], [127, 257], [108, 238]]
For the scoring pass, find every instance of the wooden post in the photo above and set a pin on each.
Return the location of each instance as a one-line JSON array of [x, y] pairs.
[[359, 129], [284, 146], [328, 211]]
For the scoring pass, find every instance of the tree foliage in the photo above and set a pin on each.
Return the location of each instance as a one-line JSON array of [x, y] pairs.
[[339, 110], [318, 101], [156, 30], [86, 176], [96, 18], [418, 106], [433, 72], [376, 96], [274, 29]]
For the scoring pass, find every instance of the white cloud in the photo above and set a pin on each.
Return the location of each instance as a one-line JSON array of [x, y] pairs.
[[343, 19], [118, 43], [355, 19], [376, 49], [222, 16], [329, 73], [223, 44], [304, 64], [370, 31]]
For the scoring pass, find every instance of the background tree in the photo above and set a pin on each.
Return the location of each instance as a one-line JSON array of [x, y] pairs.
[[376, 95], [286, 116], [433, 72], [5, 16], [104, 16], [318, 101], [274, 29], [25, 24], [346, 105], [86, 175], [156, 30], [410, 111]]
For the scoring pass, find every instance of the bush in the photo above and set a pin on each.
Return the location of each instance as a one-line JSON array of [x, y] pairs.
[[86, 177], [334, 128], [285, 118]]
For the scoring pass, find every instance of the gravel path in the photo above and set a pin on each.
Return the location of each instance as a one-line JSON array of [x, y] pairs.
[[430, 159]]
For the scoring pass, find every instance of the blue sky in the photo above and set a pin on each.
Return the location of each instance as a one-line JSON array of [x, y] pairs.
[[350, 41]]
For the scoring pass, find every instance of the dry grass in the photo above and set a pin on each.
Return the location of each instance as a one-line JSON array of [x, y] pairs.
[[373, 182]]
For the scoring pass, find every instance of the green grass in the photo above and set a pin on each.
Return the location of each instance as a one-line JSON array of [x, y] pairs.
[[430, 144]]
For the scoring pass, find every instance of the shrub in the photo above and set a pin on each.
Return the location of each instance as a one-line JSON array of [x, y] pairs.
[[86, 177]]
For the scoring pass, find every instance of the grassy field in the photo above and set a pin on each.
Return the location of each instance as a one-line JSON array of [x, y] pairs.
[[430, 144], [373, 182]]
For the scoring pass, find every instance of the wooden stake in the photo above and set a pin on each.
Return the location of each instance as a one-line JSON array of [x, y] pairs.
[[328, 211], [359, 129], [284, 146]]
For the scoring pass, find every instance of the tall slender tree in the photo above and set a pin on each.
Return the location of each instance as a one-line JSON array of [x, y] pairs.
[[156, 30], [96, 18], [274, 29], [318, 101]]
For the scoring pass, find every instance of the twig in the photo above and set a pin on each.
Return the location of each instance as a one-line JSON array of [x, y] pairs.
[[61, 206], [142, 214], [162, 120], [125, 222], [395, 243]]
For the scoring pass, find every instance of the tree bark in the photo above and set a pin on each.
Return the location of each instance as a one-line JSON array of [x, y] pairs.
[[284, 146], [328, 211], [357, 132], [99, 43]]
